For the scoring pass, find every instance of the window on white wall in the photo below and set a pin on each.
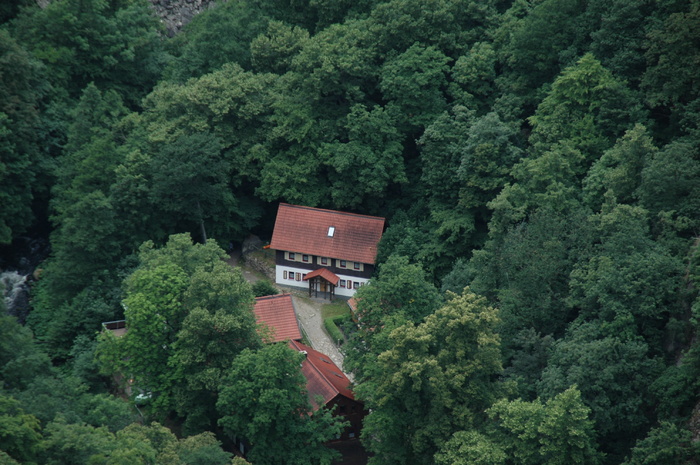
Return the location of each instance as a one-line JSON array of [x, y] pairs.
[[342, 283], [291, 275], [349, 284], [285, 275], [355, 285]]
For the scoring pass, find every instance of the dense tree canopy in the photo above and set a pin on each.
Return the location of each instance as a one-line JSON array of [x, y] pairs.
[[542, 154]]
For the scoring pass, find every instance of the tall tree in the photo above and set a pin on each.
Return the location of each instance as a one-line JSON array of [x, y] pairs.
[[613, 376], [556, 432], [587, 108], [263, 401], [435, 379], [22, 162], [188, 314], [114, 43]]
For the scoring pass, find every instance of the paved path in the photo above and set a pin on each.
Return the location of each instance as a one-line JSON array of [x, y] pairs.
[[309, 316], [308, 313]]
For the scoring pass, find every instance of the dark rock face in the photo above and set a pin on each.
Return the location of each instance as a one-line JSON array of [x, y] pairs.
[[176, 13]]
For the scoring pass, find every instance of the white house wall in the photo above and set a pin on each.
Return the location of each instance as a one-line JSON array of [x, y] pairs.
[[342, 291]]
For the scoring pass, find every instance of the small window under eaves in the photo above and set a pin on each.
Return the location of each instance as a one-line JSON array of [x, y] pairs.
[[331, 231]]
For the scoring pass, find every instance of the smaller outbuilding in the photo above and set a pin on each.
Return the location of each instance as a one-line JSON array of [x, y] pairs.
[[277, 314], [328, 387]]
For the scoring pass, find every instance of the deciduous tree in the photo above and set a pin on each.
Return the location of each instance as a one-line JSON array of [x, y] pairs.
[[263, 401]]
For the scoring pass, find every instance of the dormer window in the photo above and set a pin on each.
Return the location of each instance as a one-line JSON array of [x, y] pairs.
[[331, 231]]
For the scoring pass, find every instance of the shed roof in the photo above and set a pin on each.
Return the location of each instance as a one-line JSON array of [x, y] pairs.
[[277, 312], [327, 233], [323, 377]]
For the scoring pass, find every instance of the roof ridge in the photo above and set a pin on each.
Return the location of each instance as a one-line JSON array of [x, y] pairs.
[[306, 207]]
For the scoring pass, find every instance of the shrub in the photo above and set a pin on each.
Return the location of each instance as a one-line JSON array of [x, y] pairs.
[[262, 288]]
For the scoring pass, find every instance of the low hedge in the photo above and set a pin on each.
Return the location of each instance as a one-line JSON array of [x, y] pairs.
[[331, 324]]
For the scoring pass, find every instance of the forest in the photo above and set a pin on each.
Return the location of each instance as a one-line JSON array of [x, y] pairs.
[[538, 162]]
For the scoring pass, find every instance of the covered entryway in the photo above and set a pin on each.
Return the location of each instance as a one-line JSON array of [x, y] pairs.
[[322, 280]]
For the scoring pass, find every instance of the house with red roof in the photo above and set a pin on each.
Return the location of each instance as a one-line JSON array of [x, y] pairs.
[[278, 316], [329, 252], [327, 386]]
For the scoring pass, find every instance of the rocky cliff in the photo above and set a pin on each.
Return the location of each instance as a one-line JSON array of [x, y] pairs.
[[176, 13]]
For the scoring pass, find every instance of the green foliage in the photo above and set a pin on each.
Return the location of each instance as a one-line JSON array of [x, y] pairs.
[[264, 287], [673, 57], [263, 400], [19, 432], [668, 184], [557, 432], [470, 448], [544, 151], [666, 443], [619, 170], [630, 282], [20, 360], [22, 164], [331, 325], [274, 50], [613, 376], [199, 50], [413, 82], [369, 162], [400, 287], [435, 378], [114, 44], [587, 109], [188, 313]]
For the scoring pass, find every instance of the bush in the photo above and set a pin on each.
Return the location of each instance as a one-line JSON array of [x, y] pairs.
[[331, 324], [262, 288]]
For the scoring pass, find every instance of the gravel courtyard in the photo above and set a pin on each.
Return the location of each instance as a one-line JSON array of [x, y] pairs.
[[308, 314]]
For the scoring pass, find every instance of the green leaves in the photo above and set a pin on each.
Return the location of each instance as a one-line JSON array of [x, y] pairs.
[[435, 378], [188, 314], [263, 400], [414, 81], [557, 432]]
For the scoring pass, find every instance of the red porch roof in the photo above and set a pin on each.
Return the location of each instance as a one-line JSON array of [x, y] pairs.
[[277, 313], [325, 273], [327, 233], [323, 377]]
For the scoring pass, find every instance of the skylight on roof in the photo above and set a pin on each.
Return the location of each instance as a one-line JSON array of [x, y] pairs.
[[331, 231]]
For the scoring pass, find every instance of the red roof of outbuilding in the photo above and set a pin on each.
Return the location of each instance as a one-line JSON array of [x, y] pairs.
[[277, 313], [306, 230], [325, 273], [323, 377]]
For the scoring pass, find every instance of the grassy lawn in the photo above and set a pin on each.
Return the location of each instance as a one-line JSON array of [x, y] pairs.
[[337, 308]]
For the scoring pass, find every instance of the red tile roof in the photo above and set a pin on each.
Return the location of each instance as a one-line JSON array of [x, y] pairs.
[[277, 313], [305, 230], [323, 377], [325, 273]]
